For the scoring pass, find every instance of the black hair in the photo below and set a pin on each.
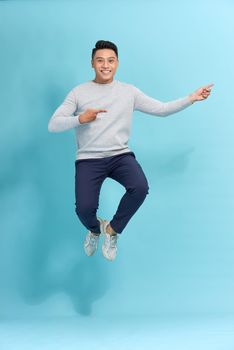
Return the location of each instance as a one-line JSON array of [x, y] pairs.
[[103, 44]]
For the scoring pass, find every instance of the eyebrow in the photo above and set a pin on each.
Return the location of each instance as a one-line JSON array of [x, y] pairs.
[[103, 57]]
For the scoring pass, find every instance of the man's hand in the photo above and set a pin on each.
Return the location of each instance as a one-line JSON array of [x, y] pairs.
[[201, 94], [90, 115]]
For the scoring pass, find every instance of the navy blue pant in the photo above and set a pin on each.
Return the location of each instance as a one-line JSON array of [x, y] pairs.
[[89, 177]]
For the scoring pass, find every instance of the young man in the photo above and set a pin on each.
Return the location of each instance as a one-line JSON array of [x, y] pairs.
[[100, 111]]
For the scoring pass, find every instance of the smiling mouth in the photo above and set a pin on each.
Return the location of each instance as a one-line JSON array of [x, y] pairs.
[[105, 71]]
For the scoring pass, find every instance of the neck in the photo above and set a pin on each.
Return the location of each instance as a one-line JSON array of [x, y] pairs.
[[102, 82]]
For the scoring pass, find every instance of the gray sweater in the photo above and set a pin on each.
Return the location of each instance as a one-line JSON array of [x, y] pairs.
[[108, 134]]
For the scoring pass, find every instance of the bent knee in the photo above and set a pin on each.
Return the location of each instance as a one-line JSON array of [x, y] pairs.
[[84, 210], [144, 189], [141, 189]]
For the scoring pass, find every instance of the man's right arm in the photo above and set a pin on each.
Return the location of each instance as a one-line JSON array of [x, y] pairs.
[[63, 118]]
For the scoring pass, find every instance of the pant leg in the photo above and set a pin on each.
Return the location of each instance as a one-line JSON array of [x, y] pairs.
[[89, 176], [126, 170]]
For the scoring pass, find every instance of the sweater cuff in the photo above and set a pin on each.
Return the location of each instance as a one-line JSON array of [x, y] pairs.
[[77, 120], [189, 101]]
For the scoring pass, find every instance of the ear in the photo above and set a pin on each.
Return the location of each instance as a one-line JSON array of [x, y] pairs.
[[92, 63]]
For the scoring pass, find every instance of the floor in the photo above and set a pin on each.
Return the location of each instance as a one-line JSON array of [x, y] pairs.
[[177, 333]]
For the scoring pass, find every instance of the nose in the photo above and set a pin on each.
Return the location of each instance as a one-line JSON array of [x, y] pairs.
[[105, 64]]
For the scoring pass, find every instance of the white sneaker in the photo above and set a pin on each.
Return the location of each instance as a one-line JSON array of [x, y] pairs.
[[91, 241], [109, 247]]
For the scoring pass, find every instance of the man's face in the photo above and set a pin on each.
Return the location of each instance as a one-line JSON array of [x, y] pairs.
[[105, 64]]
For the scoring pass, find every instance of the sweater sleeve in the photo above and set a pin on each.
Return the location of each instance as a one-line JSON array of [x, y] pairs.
[[63, 117], [152, 106]]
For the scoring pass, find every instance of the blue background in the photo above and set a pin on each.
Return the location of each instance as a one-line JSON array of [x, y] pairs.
[[175, 263]]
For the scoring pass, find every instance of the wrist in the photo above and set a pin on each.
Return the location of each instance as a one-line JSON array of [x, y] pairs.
[[80, 119], [192, 98]]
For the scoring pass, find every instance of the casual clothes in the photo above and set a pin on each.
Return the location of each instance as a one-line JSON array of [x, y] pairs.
[[108, 134], [102, 145], [90, 174]]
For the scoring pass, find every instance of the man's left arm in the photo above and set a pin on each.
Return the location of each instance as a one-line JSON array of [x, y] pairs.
[[152, 106]]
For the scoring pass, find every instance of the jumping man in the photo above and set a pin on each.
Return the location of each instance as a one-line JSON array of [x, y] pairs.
[[100, 111]]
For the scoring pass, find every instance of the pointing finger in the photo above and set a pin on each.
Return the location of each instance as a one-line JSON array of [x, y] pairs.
[[208, 87]]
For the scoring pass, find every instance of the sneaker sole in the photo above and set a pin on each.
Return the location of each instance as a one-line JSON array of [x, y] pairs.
[[107, 256]]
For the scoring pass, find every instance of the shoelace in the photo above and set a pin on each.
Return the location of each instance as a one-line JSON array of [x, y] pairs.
[[113, 241], [93, 239]]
